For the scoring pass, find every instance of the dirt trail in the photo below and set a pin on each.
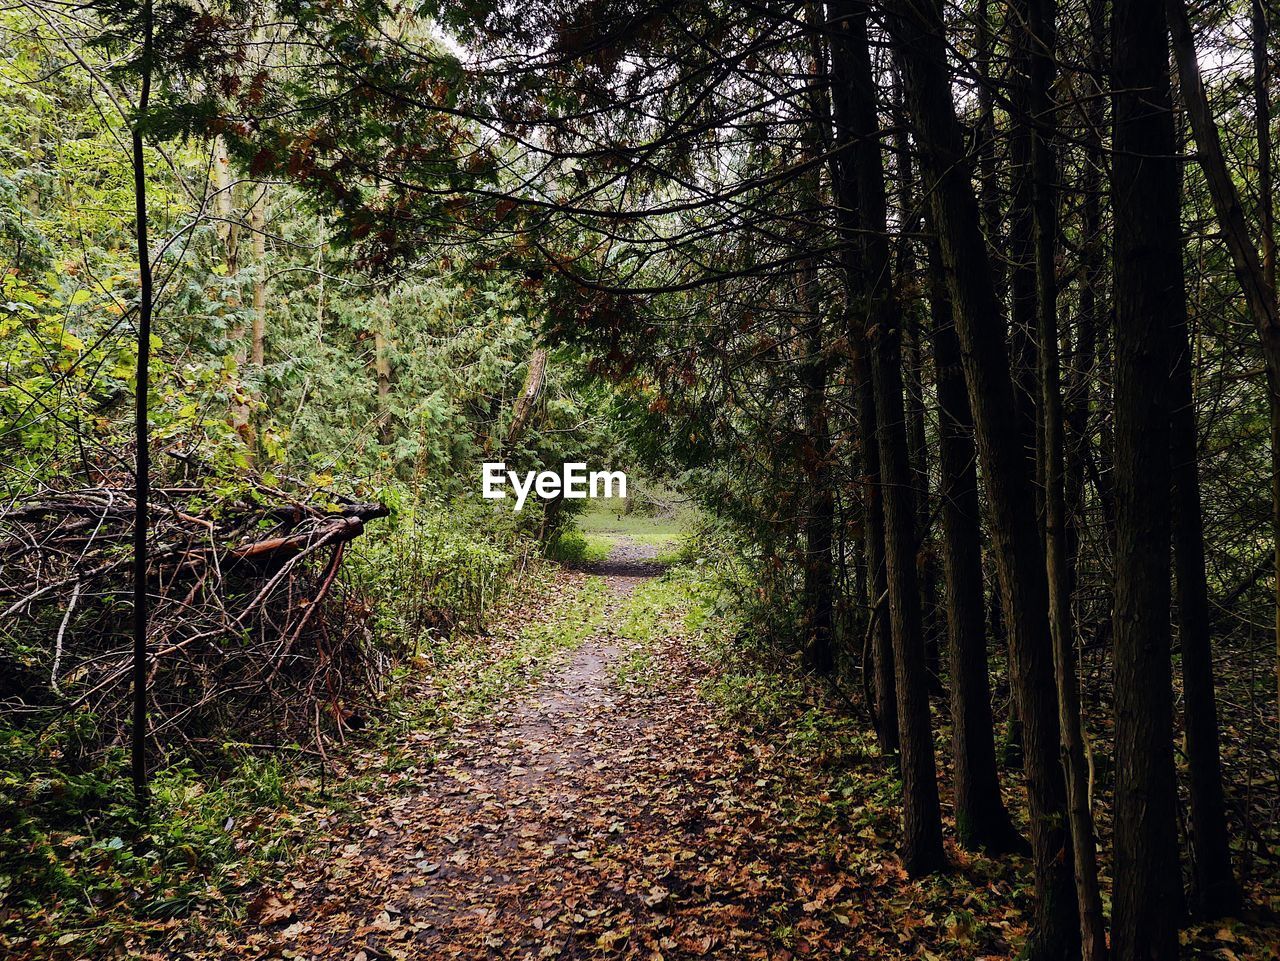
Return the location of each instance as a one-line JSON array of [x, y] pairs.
[[580, 820]]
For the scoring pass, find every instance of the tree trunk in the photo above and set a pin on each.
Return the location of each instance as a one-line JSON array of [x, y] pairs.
[[920, 43], [981, 818], [1039, 36], [1251, 272], [1266, 226], [846, 192], [885, 687], [1022, 240], [985, 131], [382, 369], [1079, 392], [1214, 890], [222, 204], [819, 521], [1148, 290], [913, 334], [1262, 124], [534, 381], [922, 829], [142, 437]]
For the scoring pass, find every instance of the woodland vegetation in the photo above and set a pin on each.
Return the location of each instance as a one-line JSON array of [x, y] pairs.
[[956, 319]]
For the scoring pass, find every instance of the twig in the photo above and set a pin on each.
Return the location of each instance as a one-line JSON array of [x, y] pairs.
[[62, 630]]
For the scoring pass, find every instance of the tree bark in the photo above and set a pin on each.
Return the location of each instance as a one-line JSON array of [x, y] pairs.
[[1214, 890], [1262, 124], [535, 379], [846, 196], [258, 224], [981, 818], [142, 436], [920, 43], [913, 335], [222, 203], [819, 521], [1022, 238], [1038, 36], [382, 370], [922, 822], [1148, 290], [1250, 271]]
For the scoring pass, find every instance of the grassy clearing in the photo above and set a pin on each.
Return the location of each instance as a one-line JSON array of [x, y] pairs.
[[575, 548], [601, 521], [600, 528]]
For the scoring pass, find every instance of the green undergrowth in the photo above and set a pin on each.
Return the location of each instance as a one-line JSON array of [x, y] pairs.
[[74, 880], [471, 672], [596, 531], [81, 876], [651, 610], [812, 761], [575, 548], [435, 566]]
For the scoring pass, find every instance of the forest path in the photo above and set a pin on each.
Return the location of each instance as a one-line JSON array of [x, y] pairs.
[[582, 818]]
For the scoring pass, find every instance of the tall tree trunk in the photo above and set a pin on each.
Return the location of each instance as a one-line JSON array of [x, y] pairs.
[[222, 201], [1214, 892], [1262, 125], [884, 685], [922, 831], [846, 194], [920, 42], [913, 335], [1251, 271], [1038, 35], [981, 818], [1022, 238], [985, 132], [142, 435], [1266, 226], [382, 370], [1079, 392], [819, 521], [222, 204], [1148, 290]]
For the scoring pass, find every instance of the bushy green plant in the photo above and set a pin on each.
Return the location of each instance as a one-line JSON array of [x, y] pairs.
[[435, 564]]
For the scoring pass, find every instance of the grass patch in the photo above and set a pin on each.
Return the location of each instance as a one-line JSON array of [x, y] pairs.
[[80, 877], [470, 678], [574, 548], [598, 529], [602, 522], [645, 620]]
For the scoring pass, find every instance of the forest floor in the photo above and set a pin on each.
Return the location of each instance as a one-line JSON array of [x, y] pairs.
[[622, 786], [601, 810]]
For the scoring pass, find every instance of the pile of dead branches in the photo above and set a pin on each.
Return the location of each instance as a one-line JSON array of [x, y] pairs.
[[251, 627]]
